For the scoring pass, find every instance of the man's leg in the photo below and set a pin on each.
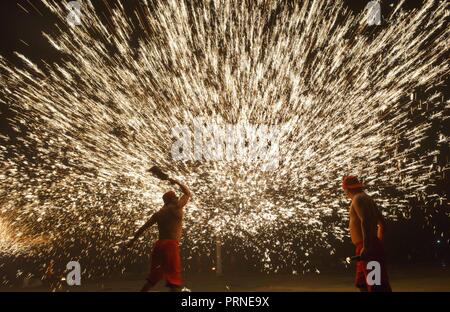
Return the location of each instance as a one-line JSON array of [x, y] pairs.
[[156, 270], [363, 289], [147, 286], [174, 288], [172, 267], [379, 257], [384, 286], [360, 279], [156, 274]]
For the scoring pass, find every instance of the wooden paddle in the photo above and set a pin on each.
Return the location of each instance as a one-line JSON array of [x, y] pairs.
[[157, 172]]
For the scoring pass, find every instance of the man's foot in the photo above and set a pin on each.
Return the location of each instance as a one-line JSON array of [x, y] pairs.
[[174, 288], [146, 287]]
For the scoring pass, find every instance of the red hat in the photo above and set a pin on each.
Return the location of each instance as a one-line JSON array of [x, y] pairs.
[[169, 196], [351, 183]]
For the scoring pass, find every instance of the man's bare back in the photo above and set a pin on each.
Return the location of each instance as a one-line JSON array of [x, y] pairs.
[[165, 257], [364, 202], [170, 222], [366, 227], [170, 217]]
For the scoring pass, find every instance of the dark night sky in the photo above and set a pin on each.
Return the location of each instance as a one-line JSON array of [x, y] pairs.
[[17, 25]]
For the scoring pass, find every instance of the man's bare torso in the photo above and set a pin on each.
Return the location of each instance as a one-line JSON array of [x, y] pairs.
[[170, 222], [355, 222]]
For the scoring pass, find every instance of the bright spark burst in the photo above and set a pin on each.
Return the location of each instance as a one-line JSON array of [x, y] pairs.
[[93, 123], [15, 242]]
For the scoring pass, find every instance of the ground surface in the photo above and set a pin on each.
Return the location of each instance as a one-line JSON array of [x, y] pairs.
[[409, 279]]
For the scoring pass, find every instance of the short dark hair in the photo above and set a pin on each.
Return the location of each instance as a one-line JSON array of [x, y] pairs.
[[169, 197]]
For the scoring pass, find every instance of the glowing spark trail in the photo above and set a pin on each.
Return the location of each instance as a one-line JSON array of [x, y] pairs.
[[90, 125]]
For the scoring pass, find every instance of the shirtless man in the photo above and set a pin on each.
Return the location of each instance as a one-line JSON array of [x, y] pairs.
[[165, 258], [367, 227]]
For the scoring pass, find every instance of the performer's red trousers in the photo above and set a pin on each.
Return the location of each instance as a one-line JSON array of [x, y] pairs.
[[165, 263], [378, 255]]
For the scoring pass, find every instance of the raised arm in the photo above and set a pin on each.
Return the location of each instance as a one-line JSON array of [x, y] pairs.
[[182, 201]]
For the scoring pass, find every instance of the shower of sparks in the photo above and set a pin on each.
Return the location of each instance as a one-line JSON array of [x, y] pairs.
[[14, 242], [91, 124]]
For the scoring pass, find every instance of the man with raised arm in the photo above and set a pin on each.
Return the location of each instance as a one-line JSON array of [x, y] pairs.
[[165, 258]]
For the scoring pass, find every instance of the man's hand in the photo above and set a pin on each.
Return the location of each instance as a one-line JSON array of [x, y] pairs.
[[364, 254], [182, 201]]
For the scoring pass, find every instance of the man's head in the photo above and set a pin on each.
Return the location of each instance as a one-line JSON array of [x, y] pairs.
[[170, 197], [351, 186]]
